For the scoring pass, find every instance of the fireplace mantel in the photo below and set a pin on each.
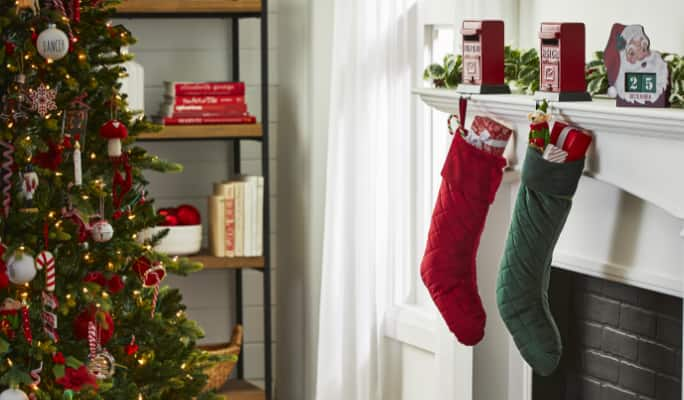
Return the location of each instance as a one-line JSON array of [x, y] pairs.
[[639, 150]]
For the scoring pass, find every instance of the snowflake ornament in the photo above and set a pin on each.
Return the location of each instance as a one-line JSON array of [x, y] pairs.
[[43, 100]]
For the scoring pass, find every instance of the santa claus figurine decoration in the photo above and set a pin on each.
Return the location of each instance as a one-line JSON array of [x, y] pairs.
[[637, 75]]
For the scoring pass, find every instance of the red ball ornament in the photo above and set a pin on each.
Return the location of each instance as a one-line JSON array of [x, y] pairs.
[[188, 215], [92, 314], [170, 220], [151, 274]]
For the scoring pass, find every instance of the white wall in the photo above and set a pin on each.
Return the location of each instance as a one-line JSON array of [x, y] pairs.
[[305, 37], [661, 18], [196, 50]]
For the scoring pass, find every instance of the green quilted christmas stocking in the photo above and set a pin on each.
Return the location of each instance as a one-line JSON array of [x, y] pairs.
[[543, 204]]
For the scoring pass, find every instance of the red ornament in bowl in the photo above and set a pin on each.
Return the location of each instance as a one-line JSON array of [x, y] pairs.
[[188, 215]]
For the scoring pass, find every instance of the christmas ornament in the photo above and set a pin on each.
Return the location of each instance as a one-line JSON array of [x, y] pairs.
[[102, 231], [75, 120], [35, 375], [561, 59], [33, 5], [188, 215], [76, 10], [541, 209], [26, 324], [21, 268], [52, 43], [4, 278], [71, 214], [29, 185], [13, 394], [50, 159], [49, 318], [9, 48], [151, 274], [100, 362], [78, 166], [470, 180], [50, 325], [114, 131], [637, 75], [46, 260], [7, 172], [132, 348], [102, 319], [121, 184], [43, 99]]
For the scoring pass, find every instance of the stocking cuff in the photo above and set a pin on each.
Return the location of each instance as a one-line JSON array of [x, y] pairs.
[[473, 171], [556, 179]]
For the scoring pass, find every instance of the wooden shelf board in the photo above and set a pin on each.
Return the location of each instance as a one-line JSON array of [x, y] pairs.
[[242, 390], [211, 262], [189, 6], [204, 132]]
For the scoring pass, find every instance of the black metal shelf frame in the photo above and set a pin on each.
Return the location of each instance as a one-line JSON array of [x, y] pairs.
[[266, 271]]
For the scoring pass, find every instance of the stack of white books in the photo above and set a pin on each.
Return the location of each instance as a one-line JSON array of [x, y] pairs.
[[236, 218]]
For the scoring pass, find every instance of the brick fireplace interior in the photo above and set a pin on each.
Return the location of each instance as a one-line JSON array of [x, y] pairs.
[[620, 342]]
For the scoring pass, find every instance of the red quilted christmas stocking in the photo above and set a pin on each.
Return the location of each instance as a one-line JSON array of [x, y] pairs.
[[471, 178]]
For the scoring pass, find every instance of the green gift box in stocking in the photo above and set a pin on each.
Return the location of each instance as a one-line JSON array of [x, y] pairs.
[[542, 207]]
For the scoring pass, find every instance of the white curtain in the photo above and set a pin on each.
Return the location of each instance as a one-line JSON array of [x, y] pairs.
[[368, 218]]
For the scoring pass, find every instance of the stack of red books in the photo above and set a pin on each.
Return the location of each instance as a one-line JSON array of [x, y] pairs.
[[205, 103]]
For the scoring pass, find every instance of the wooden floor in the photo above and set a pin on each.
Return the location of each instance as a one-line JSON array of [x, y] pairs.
[[241, 390]]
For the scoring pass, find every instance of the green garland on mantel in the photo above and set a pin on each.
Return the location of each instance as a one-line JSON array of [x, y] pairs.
[[522, 73]]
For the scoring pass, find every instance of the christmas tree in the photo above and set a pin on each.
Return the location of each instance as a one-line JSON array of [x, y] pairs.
[[83, 314]]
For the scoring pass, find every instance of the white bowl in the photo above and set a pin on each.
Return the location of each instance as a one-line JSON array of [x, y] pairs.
[[180, 241]]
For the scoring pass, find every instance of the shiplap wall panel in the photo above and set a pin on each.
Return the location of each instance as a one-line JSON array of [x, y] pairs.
[[199, 49]]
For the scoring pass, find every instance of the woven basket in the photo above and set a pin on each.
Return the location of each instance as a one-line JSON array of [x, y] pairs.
[[219, 373]]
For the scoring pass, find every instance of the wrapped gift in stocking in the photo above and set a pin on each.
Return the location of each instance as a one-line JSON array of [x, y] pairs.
[[471, 177]]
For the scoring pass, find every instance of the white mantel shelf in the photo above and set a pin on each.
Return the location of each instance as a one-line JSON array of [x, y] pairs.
[[640, 150]]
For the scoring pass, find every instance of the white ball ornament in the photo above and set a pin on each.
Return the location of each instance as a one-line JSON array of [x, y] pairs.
[[21, 269], [52, 43], [13, 394], [102, 231]]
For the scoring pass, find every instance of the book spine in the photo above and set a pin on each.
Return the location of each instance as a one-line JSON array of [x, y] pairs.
[[204, 110], [248, 119], [206, 89], [249, 217], [216, 218], [260, 217], [205, 115], [204, 100], [229, 207], [239, 219]]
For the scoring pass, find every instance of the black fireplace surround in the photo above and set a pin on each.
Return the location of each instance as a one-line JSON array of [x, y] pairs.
[[620, 342]]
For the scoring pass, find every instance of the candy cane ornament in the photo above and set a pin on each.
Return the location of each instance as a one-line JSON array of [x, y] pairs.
[[7, 172], [92, 338], [46, 260]]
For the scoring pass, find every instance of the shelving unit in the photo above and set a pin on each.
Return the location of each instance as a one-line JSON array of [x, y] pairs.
[[205, 132], [233, 10]]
